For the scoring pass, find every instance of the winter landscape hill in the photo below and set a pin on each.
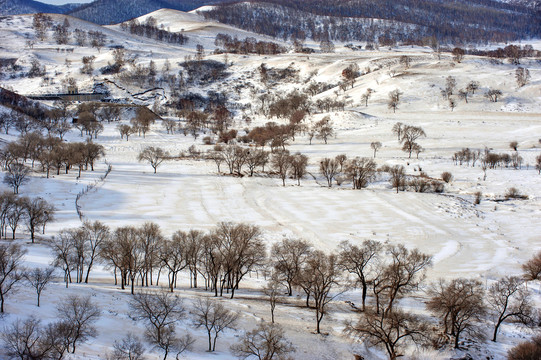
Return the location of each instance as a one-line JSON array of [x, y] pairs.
[[222, 104]]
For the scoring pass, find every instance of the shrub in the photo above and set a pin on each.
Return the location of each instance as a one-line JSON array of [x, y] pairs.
[[447, 176], [529, 350], [478, 196], [514, 193]]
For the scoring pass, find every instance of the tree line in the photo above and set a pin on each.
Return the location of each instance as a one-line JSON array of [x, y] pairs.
[[150, 29], [384, 273]]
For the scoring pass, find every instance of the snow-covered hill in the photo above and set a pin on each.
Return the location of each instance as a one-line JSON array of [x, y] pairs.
[[484, 241]]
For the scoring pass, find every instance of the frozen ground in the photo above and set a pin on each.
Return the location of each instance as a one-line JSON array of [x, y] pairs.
[[484, 241]]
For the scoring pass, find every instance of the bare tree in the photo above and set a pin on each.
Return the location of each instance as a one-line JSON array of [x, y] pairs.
[[405, 61], [452, 104], [394, 99], [361, 171], [266, 342], [28, 339], [299, 162], [272, 290], [79, 313], [17, 175], [39, 278], [129, 348], [397, 129], [493, 94], [153, 155], [241, 250], [460, 305], [404, 272], [324, 129], [473, 86], [214, 317], [15, 214], [398, 176], [508, 299], [62, 247], [287, 258], [125, 130], [375, 145], [38, 213], [322, 273], [458, 54], [281, 163], [329, 169], [11, 257], [388, 331], [522, 75], [160, 311], [409, 136], [172, 255], [366, 96], [96, 234], [358, 260]]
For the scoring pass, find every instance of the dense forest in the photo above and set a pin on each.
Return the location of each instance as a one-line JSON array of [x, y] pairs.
[[472, 21]]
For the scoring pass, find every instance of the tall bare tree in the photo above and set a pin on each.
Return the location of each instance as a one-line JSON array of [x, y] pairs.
[[266, 342], [287, 258], [389, 331], [38, 213], [11, 257], [509, 299], [329, 168], [358, 260], [213, 316], [322, 273], [460, 305], [160, 311], [281, 163], [38, 278], [154, 156], [79, 315], [361, 171]]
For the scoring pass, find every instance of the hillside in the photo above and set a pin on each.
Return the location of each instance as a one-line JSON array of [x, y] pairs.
[[107, 12], [470, 21], [216, 106], [13, 7]]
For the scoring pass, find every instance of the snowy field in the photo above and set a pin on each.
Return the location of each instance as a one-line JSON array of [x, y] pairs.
[[483, 241]]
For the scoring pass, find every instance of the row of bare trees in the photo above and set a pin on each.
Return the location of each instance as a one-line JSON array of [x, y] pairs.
[[51, 153], [222, 257], [35, 213]]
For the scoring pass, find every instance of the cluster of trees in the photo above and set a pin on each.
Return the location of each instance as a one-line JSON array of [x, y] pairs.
[[141, 254], [384, 273], [61, 34], [513, 53], [150, 29], [30, 339], [488, 159], [35, 213], [50, 152], [140, 124], [408, 135], [249, 45]]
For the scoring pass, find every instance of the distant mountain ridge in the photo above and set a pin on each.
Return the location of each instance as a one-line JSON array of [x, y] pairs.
[[406, 21], [15, 7], [105, 12]]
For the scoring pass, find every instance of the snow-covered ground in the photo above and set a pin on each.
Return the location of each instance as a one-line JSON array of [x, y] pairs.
[[484, 241]]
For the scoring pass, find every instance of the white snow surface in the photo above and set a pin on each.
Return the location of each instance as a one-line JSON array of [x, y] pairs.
[[486, 241]]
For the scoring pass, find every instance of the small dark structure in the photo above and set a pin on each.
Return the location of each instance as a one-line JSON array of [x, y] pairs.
[[71, 94]]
